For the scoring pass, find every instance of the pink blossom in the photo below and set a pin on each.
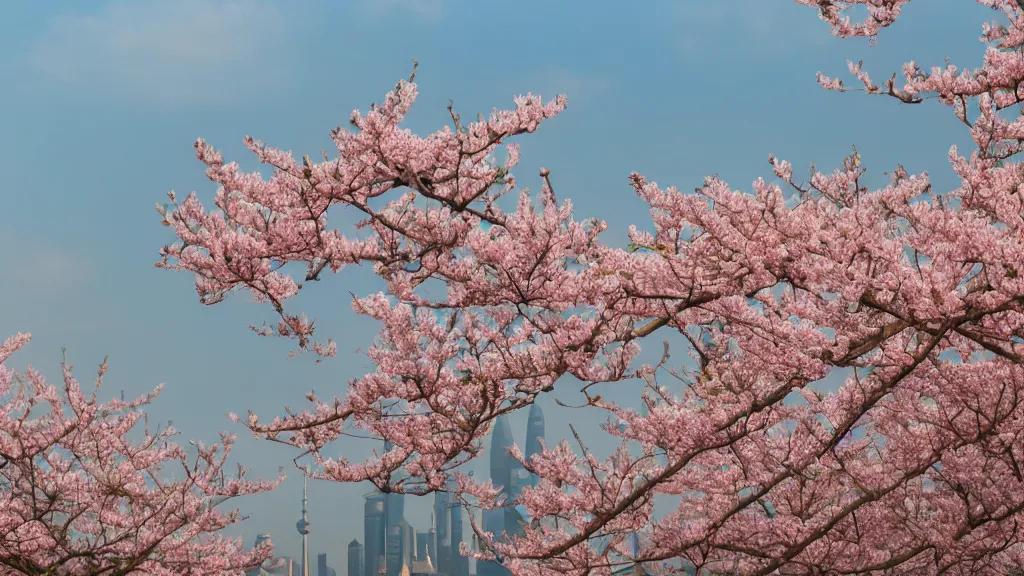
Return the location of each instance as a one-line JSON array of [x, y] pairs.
[[79, 497], [914, 466]]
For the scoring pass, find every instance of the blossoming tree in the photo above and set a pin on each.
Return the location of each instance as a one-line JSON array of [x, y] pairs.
[[79, 496], [914, 466]]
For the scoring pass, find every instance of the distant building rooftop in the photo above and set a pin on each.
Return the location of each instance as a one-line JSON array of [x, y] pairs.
[[423, 567]]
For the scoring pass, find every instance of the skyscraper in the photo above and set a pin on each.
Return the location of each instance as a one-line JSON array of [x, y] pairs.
[[373, 534], [355, 558], [394, 517], [393, 554], [501, 441], [408, 543], [322, 569], [303, 527], [510, 474], [494, 522], [460, 564], [504, 473], [443, 560], [423, 547]]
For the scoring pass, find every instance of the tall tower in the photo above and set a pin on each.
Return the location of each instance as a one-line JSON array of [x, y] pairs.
[[373, 534], [303, 527]]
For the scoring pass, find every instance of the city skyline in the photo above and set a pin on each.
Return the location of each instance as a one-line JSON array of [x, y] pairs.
[[389, 537]]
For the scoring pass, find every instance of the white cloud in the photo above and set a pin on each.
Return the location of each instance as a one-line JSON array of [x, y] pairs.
[[427, 9], [168, 52]]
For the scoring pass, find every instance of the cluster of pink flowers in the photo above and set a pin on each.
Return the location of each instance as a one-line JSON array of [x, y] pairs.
[[78, 496], [914, 466]]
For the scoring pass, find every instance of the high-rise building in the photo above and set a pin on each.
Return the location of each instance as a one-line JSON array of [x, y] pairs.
[[398, 537], [422, 544], [373, 534], [400, 547], [494, 522], [408, 543], [443, 559], [422, 568], [510, 474], [514, 517], [322, 569], [426, 545], [459, 563], [355, 558], [502, 470], [395, 503], [501, 441], [395, 509]]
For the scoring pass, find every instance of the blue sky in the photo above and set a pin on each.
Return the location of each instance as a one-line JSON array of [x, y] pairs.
[[103, 100]]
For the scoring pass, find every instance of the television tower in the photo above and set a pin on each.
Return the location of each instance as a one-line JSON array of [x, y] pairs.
[[303, 527]]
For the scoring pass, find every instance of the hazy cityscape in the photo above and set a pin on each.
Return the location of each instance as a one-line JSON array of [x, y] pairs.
[[391, 546]]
